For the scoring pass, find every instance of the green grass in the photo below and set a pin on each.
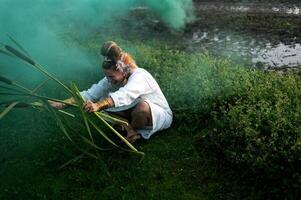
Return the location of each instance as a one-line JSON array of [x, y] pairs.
[[31, 157], [33, 148]]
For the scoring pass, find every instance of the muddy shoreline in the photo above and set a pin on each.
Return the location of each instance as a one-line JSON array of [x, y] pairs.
[[275, 9]]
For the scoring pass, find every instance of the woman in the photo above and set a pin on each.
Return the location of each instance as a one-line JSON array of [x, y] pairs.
[[129, 92]]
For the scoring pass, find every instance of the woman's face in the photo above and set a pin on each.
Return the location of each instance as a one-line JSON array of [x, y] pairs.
[[115, 77]]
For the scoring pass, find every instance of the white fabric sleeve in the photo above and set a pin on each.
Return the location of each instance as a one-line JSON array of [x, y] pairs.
[[96, 91], [127, 94]]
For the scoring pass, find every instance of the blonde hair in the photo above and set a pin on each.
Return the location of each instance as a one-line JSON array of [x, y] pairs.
[[111, 51]]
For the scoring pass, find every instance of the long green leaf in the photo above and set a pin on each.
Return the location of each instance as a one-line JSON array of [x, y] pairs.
[[28, 91], [18, 54], [18, 45], [112, 119], [62, 126], [17, 90], [77, 158], [5, 53], [37, 96], [21, 104], [72, 160], [7, 102], [102, 133], [40, 85], [6, 80], [93, 144], [10, 82], [67, 113], [79, 101], [108, 117], [120, 136], [11, 93], [10, 89], [6, 110], [32, 63], [58, 120], [43, 70]]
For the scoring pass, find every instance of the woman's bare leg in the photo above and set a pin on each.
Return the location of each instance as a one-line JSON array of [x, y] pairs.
[[139, 117]]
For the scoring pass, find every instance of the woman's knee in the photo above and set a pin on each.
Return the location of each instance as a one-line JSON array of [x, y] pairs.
[[142, 110]]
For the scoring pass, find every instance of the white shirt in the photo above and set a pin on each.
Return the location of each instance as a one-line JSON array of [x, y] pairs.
[[140, 86]]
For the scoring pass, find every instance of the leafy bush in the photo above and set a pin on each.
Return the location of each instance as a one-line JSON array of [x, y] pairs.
[[260, 129]]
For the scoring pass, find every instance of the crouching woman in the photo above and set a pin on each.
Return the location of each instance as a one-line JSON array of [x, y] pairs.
[[132, 93]]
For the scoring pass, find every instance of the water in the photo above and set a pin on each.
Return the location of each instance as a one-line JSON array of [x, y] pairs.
[[259, 35], [246, 47], [239, 32]]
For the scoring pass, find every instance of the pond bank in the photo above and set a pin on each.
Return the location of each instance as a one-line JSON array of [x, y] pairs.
[[277, 9]]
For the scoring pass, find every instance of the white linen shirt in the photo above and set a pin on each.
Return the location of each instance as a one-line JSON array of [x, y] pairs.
[[140, 86]]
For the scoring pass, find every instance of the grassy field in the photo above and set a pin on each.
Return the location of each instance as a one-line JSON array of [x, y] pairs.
[[33, 148]]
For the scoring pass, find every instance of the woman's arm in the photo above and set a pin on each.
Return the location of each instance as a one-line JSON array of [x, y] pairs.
[[100, 105], [59, 105]]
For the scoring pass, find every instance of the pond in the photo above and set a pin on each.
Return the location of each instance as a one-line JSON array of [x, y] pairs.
[[262, 35]]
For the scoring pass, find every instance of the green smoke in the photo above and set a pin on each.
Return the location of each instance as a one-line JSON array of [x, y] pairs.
[[174, 13], [42, 27]]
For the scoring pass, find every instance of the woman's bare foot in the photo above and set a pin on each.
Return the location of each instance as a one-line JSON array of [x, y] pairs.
[[132, 134], [127, 131], [134, 138]]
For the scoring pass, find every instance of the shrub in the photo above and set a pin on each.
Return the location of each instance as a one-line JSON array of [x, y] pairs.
[[260, 129]]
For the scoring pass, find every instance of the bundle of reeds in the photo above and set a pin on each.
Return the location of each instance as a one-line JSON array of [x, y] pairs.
[[95, 120]]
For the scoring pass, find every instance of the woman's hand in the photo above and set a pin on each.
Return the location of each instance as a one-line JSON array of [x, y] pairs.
[[89, 106], [56, 105]]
